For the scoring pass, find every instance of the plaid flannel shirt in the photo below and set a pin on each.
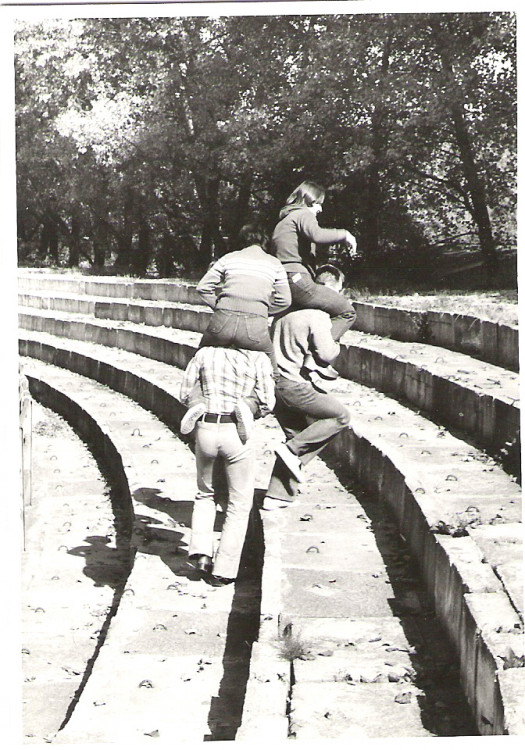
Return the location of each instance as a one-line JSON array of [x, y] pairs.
[[227, 376]]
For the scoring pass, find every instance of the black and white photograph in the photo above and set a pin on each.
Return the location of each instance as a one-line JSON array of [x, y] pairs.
[[261, 395]]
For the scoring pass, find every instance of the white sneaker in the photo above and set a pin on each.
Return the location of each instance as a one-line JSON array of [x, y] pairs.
[[274, 503], [244, 419], [291, 460], [188, 421]]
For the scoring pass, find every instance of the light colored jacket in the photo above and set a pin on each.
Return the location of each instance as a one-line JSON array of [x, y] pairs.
[[248, 280]]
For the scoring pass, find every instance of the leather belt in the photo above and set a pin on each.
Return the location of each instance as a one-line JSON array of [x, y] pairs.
[[218, 418]]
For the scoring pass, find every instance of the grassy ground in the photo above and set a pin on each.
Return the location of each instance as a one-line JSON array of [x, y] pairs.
[[500, 307]]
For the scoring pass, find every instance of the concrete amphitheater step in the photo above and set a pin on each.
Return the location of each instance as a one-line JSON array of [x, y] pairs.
[[480, 399], [485, 339], [100, 690], [151, 313], [103, 286], [71, 562], [163, 657], [439, 489]]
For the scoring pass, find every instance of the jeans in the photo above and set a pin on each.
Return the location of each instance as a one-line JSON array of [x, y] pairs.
[[239, 331], [212, 441], [309, 420], [307, 294]]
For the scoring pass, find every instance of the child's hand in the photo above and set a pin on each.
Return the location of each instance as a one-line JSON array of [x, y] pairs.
[[351, 243]]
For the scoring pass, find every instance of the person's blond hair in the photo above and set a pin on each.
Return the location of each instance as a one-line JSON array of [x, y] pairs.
[[306, 194]]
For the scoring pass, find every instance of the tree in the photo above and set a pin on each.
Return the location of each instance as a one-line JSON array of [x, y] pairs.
[[159, 137]]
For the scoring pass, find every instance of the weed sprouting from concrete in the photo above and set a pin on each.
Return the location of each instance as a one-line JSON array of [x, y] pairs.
[[292, 646]]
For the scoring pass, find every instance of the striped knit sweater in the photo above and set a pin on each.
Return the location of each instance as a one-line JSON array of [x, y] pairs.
[[249, 281]]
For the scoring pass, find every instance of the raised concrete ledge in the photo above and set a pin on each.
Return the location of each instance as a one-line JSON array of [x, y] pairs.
[[479, 408], [489, 341], [492, 342], [512, 687], [170, 314], [442, 563], [154, 315], [267, 693], [88, 427], [73, 303], [467, 594], [103, 286]]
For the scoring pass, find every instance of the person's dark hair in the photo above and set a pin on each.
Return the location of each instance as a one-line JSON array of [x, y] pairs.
[[328, 272], [252, 234], [306, 194]]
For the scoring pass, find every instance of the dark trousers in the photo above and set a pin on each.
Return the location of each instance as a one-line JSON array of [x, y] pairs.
[[309, 420], [306, 293]]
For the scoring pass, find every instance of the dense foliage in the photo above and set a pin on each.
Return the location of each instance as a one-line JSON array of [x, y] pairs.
[[145, 143]]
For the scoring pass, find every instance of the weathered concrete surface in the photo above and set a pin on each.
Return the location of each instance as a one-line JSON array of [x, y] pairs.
[[493, 475], [171, 664], [103, 286], [374, 468], [493, 342], [480, 399], [512, 686], [166, 654], [66, 595]]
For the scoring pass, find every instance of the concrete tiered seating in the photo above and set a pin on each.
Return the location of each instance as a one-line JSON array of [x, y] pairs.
[[458, 510], [160, 629], [478, 398]]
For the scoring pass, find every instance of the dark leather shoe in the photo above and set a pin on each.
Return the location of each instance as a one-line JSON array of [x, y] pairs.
[[217, 581], [201, 562]]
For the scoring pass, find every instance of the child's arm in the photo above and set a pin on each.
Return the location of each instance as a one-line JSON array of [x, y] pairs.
[[307, 224]]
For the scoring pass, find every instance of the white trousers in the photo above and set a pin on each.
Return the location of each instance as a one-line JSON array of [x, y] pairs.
[[211, 441]]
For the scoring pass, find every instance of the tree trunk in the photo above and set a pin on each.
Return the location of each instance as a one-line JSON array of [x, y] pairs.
[[125, 236], [166, 255], [74, 241], [242, 207], [141, 255], [476, 189], [473, 179], [100, 245], [205, 256], [372, 208], [373, 198], [212, 244], [53, 242], [43, 243]]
